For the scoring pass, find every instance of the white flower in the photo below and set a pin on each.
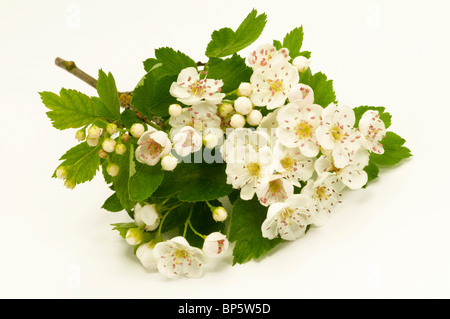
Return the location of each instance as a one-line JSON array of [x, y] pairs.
[[291, 164], [254, 118], [169, 162], [242, 137], [271, 85], [145, 255], [301, 92], [176, 257], [153, 145], [337, 134], [146, 215], [187, 141], [297, 125], [353, 175], [210, 141], [325, 194], [137, 129], [277, 189], [251, 170], [267, 54], [289, 219], [301, 63], [203, 119], [219, 214], [269, 123], [215, 244], [373, 130], [190, 89]]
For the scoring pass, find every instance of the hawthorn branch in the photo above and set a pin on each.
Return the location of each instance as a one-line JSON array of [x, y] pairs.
[[124, 97]]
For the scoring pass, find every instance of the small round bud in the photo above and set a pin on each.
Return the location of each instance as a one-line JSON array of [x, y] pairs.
[[137, 129], [92, 141], [245, 89], [102, 154], [109, 145], [125, 137], [254, 118], [210, 140], [169, 162], [145, 254], [220, 214], [121, 148], [94, 131], [237, 121], [134, 236], [70, 184], [111, 128], [226, 109], [215, 244], [61, 172], [175, 110], [113, 169], [80, 135], [243, 105], [301, 63]]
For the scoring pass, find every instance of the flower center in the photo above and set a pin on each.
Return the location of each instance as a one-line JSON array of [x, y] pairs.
[[275, 186], [321, 193], [254, 169], [286, 213], [287, 163], [337, 133], [153, 147], [198, 88], [180, 254], [303, 130], [276, 86]]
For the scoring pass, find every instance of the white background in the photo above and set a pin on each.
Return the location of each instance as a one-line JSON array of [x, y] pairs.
[[388, 241]]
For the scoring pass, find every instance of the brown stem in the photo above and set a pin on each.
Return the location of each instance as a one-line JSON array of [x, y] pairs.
[[201, 63]]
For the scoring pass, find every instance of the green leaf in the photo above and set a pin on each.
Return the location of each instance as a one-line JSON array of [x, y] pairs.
[[107, 91], [123, 228], [226, 42], [394, 151], [81, 162], [112, 204], [232, 71], [121, 181], [293, 42], [384, 116], [322, 87], [150, 63], [151, 96], [144, 180], [245, 229], [176, 217], [372, 171], [173, 61], [194, 182], [128, 118], [277, 44], [71, 109]]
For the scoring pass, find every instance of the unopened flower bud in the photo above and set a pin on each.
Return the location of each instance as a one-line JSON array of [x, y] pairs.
[[121, 148], [125, 137], [175, 110], [243, 105], [80, 135], [61, 172], [145, 255], [169, 162], [215, 244], [70, 183], [92, 141], [137, 129], [210, 140], [109, 145], [226, 109], [111, 128], [102, 154], [94, 131], [237, 121], [245, 89], [134, 236], [220, 214], [254, 118], [146, 215], [113, 169], [301, 63]]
